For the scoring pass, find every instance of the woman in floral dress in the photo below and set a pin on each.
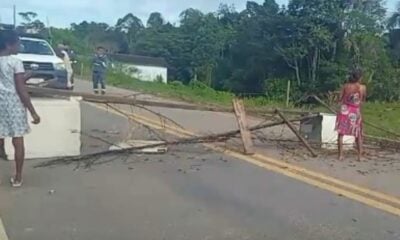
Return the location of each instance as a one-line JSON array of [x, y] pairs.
[[349, 118], [14, 101]]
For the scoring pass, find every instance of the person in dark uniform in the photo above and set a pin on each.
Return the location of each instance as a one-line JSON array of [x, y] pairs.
[[100, 63]]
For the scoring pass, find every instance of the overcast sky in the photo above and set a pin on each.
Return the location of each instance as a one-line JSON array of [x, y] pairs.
[[63, 12]]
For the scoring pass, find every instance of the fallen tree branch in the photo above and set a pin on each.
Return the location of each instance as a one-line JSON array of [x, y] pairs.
[[162, 117], [132, 150], [131, 119], [116, 109], [289, 112], [109, 99], [376, 138], [384, 142], [301, 138], [199, 139], [126, 100]]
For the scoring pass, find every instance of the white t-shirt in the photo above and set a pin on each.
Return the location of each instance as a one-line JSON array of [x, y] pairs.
[[9, 66], [67, 61]]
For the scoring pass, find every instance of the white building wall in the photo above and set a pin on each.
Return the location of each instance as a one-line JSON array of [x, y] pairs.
[[146, 73]]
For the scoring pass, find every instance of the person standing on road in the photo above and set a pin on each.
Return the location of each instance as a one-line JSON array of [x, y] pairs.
[[64, 55], [100, 62], [14, 100], [349, 118]]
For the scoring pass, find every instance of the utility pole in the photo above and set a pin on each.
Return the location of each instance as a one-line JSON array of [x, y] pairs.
[[49, 30], [15, 16]]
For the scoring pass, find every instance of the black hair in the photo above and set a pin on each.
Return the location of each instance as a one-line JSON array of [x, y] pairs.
[[100, 48], [356, 75], [8, 37]]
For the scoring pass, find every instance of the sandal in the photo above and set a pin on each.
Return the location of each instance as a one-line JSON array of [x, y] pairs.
[[15, 184]]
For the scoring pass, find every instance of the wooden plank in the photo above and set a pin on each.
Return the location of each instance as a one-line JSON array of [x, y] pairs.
[[240, 113], [288, 94], [141, 143], [289, 111], [113, 99], [293, 128]]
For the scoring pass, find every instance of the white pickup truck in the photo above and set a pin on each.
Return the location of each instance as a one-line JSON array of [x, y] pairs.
[[39, 57]]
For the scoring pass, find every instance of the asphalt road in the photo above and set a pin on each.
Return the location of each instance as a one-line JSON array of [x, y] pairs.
[[188, 193], [380, 170]]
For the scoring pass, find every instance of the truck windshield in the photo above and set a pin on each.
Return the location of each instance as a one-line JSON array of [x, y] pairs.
[[35, 47]]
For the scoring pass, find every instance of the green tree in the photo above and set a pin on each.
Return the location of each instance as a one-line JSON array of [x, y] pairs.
[[204, 39], [31, 24], [28, 17], [155, 20], [250, 58], [131, 26], [255, 51]]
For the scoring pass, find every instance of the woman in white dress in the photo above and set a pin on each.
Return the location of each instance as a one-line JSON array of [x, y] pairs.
[[14, 101]]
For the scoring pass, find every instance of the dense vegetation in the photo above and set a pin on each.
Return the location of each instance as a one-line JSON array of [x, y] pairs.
[[312, 43]]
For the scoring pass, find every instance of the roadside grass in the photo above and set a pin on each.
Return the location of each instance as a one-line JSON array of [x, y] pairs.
[[386, 115], [193, 93]]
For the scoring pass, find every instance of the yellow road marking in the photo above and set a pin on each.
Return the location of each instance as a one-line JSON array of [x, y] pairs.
[[363, 195], [3, 235], [335, 181], [298, 169]]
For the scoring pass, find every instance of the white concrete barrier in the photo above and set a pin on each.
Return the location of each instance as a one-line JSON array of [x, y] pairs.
[[321, 130], [58, 135]]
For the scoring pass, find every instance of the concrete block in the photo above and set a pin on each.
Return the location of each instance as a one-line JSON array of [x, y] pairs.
[[321, 130], [58, 135]]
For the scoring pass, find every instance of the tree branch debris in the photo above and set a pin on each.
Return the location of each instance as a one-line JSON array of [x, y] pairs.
[[212, 138], [95, 158]]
